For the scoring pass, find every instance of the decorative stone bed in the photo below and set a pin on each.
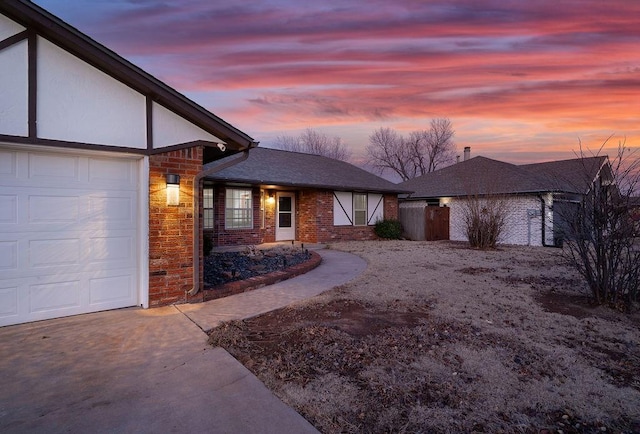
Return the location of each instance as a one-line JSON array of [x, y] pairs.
[[228, 273]]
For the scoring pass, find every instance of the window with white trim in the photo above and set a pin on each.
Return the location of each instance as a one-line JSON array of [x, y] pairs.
[[359, 209], [207, 207], [238, 213]]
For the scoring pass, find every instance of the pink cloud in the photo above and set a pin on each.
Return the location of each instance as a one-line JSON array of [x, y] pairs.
[[562, 69]]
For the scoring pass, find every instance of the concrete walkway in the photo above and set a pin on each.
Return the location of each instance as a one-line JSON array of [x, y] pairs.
[[135, 370]]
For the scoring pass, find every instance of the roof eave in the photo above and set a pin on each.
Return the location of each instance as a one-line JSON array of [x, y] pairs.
[[305, 185]]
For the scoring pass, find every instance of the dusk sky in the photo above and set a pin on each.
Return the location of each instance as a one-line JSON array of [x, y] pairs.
[[521, 81]]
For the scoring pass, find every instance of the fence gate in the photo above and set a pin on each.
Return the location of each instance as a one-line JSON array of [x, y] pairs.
[[436, 223]]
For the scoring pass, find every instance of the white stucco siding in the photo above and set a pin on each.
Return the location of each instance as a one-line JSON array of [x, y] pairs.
[[523, 223], [79, 103], [171, 129], [14, 90], [9, 28]]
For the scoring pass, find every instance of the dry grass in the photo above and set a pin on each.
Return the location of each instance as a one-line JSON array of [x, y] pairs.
[[435, 337]]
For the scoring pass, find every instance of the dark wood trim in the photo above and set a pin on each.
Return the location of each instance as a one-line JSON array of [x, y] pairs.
[[33, 83], [149, 118], [19, 140], [11, 40], [180, 146]]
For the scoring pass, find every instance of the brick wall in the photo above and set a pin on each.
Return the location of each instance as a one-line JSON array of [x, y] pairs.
[[233, 237], [391, 206], [171, 227], [314, 220], [316, 216]]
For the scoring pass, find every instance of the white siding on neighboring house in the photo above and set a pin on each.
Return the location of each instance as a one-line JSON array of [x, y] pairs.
[[523, 224], [79, 103], [171, 129], [343, 208]]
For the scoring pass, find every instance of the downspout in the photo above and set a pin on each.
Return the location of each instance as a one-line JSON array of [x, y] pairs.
[[196, 215], [544, 221]]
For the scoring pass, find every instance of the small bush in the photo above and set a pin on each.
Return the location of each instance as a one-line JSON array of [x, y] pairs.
[[484, 221], [388, 228]]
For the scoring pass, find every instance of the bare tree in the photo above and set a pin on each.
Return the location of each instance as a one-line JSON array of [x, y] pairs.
[[314, 142], [440, 148], [600, 237], [422, 152]]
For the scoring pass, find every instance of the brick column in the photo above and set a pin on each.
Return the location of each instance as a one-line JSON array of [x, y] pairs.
[[171, 227]]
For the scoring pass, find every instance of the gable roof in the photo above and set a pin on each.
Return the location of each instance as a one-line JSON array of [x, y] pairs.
[[570, 176], [481, 175], [266, 166], [35, 19]]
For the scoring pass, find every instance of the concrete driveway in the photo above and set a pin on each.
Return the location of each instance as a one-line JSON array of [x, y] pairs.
[[135, 370]]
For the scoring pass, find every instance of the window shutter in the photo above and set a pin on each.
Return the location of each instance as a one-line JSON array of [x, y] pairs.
[[342, 208], [375, 208]]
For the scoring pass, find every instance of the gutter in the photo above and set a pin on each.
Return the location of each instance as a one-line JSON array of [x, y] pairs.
[[196, 214]]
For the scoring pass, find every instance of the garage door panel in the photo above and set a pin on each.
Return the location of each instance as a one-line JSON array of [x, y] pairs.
[[8, 255], [56, 168], [8, 164], [54, 252], [8, 303], [55, 296], [112, 289], [111, 249], [8, 208], [68, 234], [112, 210], [104, 172], [53, 209]]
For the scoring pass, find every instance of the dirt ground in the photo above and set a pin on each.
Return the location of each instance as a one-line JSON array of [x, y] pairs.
[[436, 337]]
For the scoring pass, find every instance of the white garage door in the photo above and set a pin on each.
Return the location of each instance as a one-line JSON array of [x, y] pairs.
[[68, 234]]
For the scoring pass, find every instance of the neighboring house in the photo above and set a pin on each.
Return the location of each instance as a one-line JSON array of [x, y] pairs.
[[275, 195], [537, 196], [86, 143]]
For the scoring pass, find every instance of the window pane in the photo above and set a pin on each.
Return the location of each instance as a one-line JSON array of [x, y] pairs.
[[284, 219], [284, 203], [207, 206], [359, 202], [238, 209], [359, 209]]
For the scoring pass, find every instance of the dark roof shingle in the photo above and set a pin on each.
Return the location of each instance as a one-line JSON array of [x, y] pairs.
[[266, 166], [481, 175]]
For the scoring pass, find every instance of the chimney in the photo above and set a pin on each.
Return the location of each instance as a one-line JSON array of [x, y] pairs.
[[467, 153]]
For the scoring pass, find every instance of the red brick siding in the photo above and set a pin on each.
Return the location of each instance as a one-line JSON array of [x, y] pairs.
[[232, 237], [171, 227], [314, 220], [391, 207]]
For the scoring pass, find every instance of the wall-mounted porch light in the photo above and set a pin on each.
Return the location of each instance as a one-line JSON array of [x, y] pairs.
[[173, 189], [271, 198]]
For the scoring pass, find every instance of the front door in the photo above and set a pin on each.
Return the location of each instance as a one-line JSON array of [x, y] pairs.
[[286, 217]]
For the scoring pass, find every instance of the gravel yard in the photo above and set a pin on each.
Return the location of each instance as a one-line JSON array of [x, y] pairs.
[[436, 337]]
